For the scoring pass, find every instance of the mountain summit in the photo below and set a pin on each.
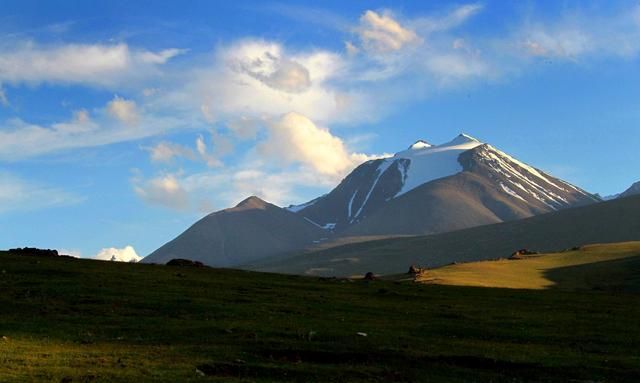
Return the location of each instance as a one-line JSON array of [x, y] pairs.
[[434, 188], [252, 229]]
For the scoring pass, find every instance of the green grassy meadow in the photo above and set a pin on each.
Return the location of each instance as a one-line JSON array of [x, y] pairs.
[[69, 320]]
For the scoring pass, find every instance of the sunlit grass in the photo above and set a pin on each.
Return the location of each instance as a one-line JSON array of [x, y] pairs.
[[603, 265]]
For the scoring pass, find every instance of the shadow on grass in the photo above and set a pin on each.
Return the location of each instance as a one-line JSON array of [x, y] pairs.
[[618, 275]]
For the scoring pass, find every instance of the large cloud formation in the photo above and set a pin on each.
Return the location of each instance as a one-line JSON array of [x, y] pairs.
[[296, 139]]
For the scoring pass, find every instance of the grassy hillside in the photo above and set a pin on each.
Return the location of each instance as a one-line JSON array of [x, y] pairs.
[[68, 320], [605, 222], [611, 267]]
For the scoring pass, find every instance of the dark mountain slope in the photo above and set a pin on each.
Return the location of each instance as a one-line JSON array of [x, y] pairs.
[[633, 190], [432, 189], [492, 188], [612, 221], [251, 230]]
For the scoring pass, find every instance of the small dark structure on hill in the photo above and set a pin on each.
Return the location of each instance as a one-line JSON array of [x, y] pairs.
[[33, 251], [416, 270], [522, 253], [185, 263], [369, 276]]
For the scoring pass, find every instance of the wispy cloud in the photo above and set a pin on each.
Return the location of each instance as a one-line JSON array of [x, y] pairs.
[[114, 123], [575, 36], [380, 32], [307, 15], [108, 65], [4, 101], [18, 194]]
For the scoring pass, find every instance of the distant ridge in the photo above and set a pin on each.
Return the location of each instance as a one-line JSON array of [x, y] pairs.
[[252, 229], [606, 222], [633, 190]]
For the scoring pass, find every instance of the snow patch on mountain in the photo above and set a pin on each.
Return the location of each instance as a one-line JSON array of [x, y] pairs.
[[420, 144], [379, 172], [517, 173], [510, 191], [429, 163], [297, 208]]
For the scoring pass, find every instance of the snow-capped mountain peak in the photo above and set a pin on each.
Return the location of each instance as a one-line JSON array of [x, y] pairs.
[[463, 139], [420, 144], [499, 177], [431, 162]]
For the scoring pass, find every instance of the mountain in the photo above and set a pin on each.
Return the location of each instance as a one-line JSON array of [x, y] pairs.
[[436, 188], [633, 190], [606, 222], [425, 189], [253, 229]]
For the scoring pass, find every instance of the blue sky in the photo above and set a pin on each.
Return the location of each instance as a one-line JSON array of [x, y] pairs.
[[121, 124]]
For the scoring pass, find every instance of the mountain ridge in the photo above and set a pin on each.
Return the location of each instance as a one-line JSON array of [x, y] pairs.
[[606, 222], [252, 229], [425, 189]]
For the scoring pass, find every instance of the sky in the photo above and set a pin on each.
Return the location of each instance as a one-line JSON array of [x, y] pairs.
[[123, 122]]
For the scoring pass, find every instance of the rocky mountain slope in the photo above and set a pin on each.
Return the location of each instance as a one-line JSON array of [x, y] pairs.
[[633, 190], [253, 229], [430, 189]]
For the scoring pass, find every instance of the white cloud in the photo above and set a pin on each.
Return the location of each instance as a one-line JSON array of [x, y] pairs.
[[164, 190], [295, 153], [210, 190], [455, 66], [210, 158], [565, 43], [296, 139], [18, 194], [125, 254], [244, 128], [450, 20], [160, 57], [380, 32], [201, 146], [265, 62], [574, 36], [166, 152], [248, 80], [92, 64], [123, 110], [351, 48], [4, 101], [414, 51], [20, 139], [148, 92]]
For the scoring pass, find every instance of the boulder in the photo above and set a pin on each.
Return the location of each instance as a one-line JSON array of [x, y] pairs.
[[184, 263], [32, 251]]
